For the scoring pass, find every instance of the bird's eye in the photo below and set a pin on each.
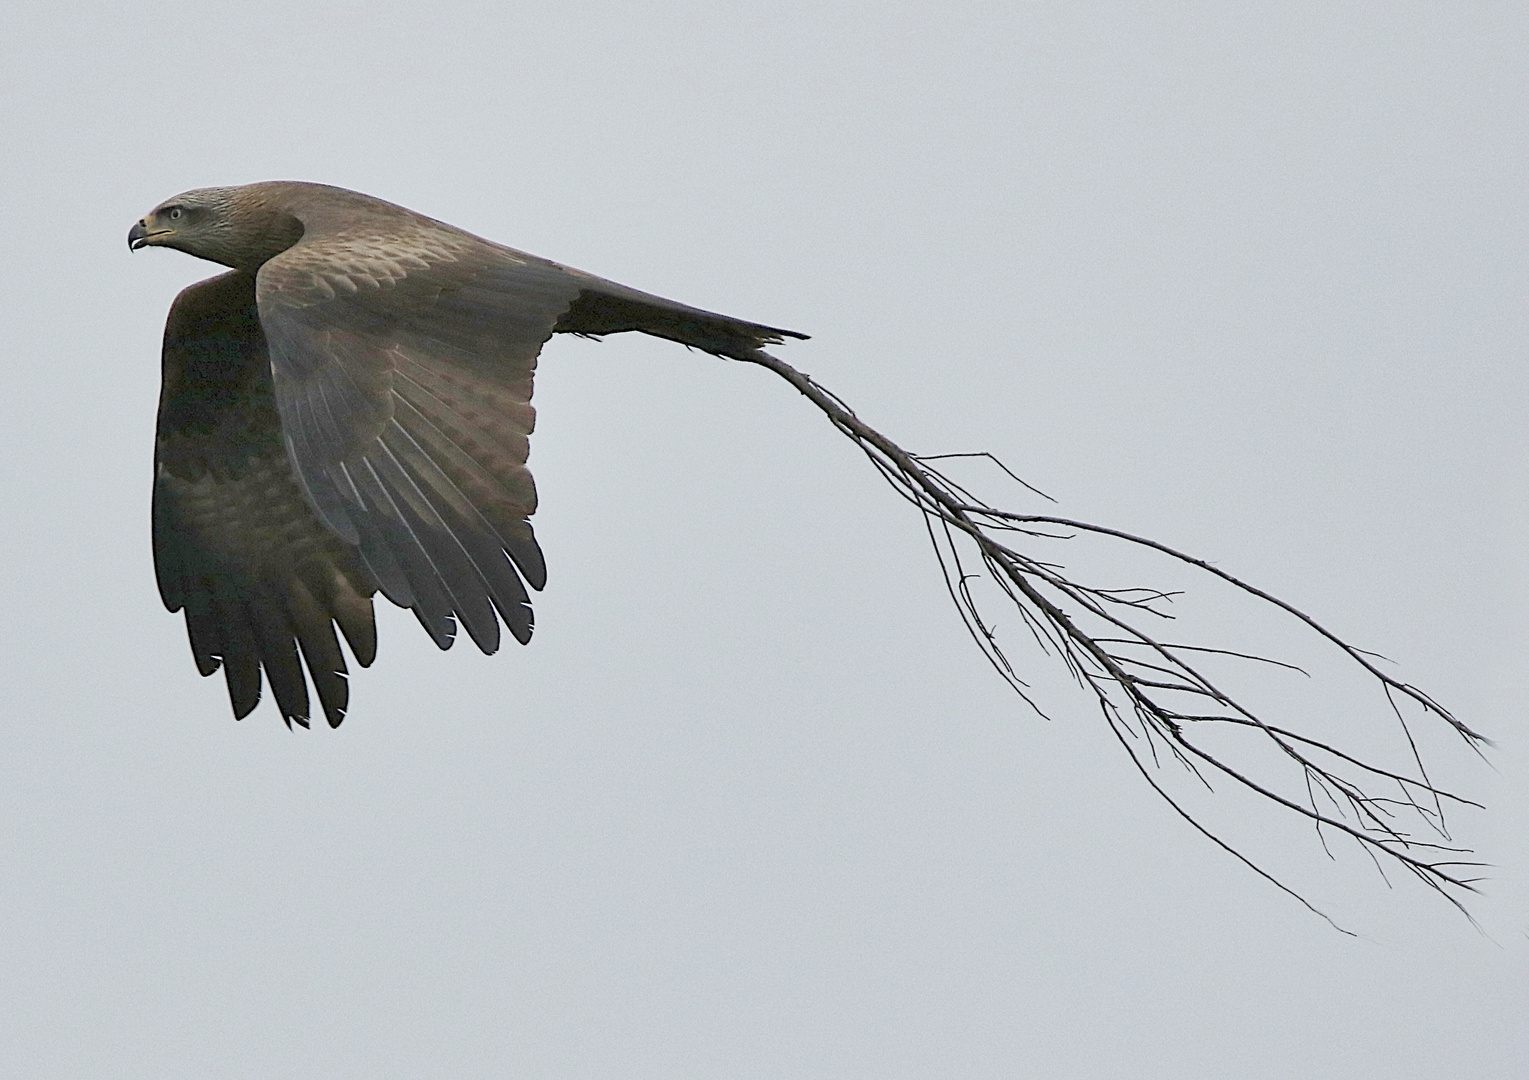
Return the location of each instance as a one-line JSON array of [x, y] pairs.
[[175, 213]]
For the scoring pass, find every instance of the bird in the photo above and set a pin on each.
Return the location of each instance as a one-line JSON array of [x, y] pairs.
[[347, 411]]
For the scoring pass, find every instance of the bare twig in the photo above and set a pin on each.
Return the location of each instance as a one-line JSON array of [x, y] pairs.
[[1135, 677]]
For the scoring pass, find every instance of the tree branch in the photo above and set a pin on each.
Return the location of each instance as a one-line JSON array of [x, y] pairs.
[[1141, 687]]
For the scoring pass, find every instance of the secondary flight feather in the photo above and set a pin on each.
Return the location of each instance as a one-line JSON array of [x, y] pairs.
[[347, 411]]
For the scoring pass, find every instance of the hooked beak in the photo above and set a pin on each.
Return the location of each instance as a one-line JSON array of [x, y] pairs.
[[140, 235]]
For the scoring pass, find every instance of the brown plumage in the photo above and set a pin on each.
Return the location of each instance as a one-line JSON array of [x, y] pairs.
[[347, 411]]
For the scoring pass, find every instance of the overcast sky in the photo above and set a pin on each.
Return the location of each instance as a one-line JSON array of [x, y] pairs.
[[1249, 279]]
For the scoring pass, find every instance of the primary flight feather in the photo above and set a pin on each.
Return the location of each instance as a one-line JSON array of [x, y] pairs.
[[347, 411]]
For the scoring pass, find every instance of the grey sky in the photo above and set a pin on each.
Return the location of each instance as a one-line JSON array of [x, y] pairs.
[[1247, 279]]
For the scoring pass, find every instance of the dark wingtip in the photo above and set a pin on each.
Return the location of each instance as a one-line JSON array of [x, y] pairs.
[[528, 559], [441, 628]]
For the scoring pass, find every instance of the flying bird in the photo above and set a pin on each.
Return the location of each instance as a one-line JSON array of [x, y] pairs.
[[347, 411]]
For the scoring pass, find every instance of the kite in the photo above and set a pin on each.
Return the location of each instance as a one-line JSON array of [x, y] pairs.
[[347, 411]]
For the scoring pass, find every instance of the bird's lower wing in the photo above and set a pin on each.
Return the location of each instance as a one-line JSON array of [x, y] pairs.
[[237, 548]]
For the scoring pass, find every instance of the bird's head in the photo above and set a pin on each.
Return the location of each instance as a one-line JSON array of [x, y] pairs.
[[223, 225]]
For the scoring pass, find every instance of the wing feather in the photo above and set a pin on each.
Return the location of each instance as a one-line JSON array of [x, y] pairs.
[[492, 478], [273, 634], [446, 551], [382, 517], [240, 654], [481, 541]]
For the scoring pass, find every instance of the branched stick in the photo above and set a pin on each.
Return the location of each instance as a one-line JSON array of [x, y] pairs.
[[1141, 682]]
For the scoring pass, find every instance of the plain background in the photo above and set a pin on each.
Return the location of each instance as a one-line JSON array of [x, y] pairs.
[[1247, 278]]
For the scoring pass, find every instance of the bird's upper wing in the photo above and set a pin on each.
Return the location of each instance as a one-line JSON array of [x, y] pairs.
[[402, 352], [236, 544], [402, 370]]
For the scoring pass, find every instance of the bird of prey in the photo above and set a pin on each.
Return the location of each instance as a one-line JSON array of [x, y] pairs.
[[347, 411]]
